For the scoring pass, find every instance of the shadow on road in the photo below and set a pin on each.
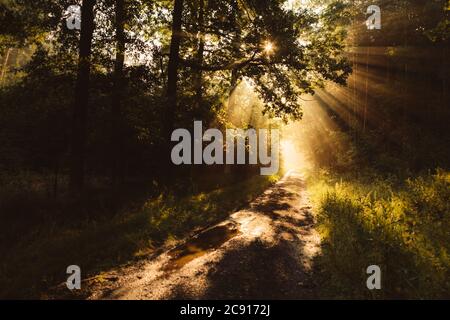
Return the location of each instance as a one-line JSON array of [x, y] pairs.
[[269, 267]]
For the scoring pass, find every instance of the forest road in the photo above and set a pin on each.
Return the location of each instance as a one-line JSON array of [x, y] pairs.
[[263, 252]]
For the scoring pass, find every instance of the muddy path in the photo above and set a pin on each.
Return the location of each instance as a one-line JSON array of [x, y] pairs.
[[262, 252]]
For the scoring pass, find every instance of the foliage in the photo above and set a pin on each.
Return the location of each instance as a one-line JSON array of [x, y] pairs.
[[241, 62], [402, 229]]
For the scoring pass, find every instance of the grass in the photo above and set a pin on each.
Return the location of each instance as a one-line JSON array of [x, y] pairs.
[[38, 258], [402, 226]]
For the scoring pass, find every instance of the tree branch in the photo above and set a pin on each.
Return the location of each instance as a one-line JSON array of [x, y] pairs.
[[226, 66]]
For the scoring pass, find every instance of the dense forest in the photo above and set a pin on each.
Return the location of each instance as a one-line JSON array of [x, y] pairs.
[[87, 115]]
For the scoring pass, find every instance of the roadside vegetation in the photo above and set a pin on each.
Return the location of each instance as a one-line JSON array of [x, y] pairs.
[[99, 241], [401, 226]]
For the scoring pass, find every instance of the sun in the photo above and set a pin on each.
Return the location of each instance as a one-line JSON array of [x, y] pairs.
[[269, 47]]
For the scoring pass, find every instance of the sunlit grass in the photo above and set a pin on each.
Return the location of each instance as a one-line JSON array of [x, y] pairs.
[[403, 229]]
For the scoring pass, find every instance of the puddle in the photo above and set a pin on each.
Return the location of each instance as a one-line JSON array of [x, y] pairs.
[[200, 245]]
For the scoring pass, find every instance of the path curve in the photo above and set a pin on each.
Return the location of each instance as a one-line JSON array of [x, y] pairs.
[[262, 252]]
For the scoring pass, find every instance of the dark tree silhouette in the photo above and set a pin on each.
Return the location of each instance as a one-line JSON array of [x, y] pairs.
[[81, 99], [117, 95], [172, 69]]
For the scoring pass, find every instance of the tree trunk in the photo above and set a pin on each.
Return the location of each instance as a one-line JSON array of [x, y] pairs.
[[172, 72], [117, 95], [234, 74], [236, 44], [200, 52], [5, 64], [81, 99], [171, 92]]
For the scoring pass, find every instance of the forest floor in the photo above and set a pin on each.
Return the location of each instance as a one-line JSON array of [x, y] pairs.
[[262, 252]]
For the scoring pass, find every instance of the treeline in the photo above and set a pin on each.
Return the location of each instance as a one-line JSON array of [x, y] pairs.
[[381, 179], [104, 100], [394, 111]]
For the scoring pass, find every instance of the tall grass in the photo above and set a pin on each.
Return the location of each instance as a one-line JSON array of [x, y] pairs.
[[404, 227]]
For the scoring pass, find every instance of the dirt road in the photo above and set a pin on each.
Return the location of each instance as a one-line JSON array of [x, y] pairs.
[[262, 252]]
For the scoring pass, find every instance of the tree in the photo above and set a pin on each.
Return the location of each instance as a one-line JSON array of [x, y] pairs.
[[280, 50], [81, 98], [118, 88], [172, 69], [200, 55]]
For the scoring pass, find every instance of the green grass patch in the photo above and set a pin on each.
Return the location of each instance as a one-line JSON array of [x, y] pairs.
[[402, 226]]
